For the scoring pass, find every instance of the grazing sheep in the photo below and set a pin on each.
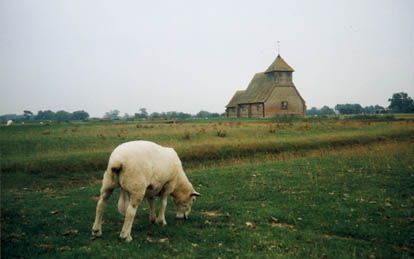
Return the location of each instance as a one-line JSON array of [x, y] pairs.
[[9, 122], [144, 169]]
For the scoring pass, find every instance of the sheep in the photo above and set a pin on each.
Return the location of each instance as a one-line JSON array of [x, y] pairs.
[[143, 169], [9, 122]]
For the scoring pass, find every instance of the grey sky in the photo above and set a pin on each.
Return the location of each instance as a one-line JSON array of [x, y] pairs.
[[193, 55]]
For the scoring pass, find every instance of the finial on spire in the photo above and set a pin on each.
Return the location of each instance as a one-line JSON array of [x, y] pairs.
[[278, 47]]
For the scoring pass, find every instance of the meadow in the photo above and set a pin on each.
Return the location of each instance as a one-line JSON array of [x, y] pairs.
[[270, 189]]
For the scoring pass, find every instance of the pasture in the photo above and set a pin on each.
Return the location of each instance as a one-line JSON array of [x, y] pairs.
[[324, 188]]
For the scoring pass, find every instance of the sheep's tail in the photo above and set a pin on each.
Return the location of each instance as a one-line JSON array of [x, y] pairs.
[[123, 201], [116, 167]]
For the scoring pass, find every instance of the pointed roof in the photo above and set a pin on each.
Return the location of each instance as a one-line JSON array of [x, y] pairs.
[[279, 65]]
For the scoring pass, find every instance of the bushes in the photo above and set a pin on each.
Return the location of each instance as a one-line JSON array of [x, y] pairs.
[[221, 133], [371, 117], [187, 135]]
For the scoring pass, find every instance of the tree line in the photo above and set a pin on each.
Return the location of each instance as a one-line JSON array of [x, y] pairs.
[[346, 109], [62, 116], [47, 115], [399, 103], [143, 114]]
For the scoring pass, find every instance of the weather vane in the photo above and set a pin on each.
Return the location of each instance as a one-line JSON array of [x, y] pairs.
[[278, 47]]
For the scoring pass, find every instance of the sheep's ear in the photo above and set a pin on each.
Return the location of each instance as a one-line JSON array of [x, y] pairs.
[[194, 193]]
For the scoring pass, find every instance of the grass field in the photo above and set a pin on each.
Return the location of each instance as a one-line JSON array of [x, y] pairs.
[[335, 189]]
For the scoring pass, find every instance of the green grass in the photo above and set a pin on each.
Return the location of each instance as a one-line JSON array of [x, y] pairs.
[[86, 146], [326, 188], [356, 202]]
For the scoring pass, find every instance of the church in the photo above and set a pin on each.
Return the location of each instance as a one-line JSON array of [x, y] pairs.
[[269, 94]]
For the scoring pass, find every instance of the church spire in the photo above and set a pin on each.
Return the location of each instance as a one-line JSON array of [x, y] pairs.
[[279, 65]]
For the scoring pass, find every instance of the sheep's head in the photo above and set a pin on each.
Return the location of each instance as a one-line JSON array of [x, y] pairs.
[[183, 202]]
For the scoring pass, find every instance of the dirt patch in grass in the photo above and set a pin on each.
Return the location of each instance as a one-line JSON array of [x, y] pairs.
[[282, 225], [274, 222], [215, 213]]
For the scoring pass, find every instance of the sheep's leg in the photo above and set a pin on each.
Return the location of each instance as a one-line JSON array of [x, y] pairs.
[[134, 202], [152, 215], [108, 186], [161, 216]]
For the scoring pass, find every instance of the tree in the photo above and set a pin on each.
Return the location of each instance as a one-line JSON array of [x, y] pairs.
[[206, 114], [379, 109], [14, 117], [27, 114], [127, 117], [313, 112], [183, 115], [325, 111], [369, 109], [202, 114], [401, 102], [62, 116], [143, 114], [155, 115], [112, 115], [45, 115], [373, 109], [171, 115], [79, 115], [349, 108]]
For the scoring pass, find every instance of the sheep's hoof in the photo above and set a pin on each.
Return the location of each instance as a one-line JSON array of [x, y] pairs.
[[152, 219], [127, 238], [97, 232], [161, 222]]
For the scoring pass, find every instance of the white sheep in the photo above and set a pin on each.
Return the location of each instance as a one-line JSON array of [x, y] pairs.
[[144, 169], [9, 123]]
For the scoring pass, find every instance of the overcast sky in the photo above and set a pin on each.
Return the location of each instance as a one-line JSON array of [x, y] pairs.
[[193, 55]]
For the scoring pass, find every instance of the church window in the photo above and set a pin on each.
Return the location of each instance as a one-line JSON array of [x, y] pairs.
[[284, 105]]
